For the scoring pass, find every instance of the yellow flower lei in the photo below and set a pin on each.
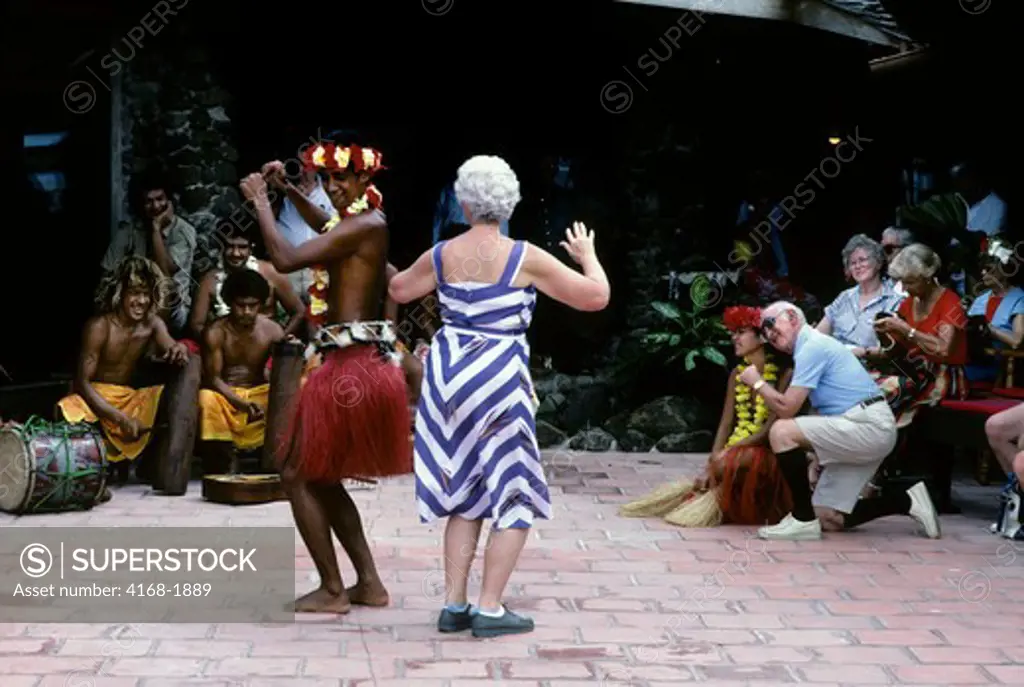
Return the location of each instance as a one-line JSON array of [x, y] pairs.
[[751, 410]]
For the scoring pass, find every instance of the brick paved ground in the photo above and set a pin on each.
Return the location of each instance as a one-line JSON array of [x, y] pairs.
[[616, 601]]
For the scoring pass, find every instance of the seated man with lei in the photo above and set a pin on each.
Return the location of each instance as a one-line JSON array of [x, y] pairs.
[[237, 255], [236, 349], [741, 483], [114, 341]]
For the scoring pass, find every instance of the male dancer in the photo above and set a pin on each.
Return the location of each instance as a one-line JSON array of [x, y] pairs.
[[351, 417]]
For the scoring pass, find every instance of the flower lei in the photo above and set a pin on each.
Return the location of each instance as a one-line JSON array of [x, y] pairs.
[[750, 416], [328, 156], [220, 308]]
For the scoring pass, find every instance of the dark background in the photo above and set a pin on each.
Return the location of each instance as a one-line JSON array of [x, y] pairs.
[[517, 79]]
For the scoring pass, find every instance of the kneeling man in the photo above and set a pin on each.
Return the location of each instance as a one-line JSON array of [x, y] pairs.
[[851, 435], [235, 353], [114, 341]]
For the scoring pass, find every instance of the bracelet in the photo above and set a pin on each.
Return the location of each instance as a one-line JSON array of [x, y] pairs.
[[758, 384]]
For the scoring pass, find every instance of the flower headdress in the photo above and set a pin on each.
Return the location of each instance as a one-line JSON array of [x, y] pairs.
[[329, 156], [996, 249], [741, 317], [332, 157]]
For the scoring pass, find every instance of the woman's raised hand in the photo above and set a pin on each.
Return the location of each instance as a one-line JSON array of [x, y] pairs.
[[579, 242]]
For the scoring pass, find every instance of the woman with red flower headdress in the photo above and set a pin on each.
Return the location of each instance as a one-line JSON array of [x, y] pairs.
[[741, 483]]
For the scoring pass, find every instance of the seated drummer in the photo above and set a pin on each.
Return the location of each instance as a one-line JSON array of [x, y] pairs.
[[237, 256], [129, 324], [236, 349]]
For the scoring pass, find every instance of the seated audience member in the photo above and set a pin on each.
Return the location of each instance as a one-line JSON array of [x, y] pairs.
[[894, 240], [926, 363], [166, 239], [112, 345], [850, 318], [237, 256], [236, 349], [851, 433], [1000, 306], [1005, 431]]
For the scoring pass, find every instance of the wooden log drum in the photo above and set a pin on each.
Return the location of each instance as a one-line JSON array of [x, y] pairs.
[[180, 410]]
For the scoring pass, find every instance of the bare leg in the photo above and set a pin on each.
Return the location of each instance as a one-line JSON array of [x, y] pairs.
[[1004, 431], [1018, 466], [503, 549], [348, 527], [315, 527], [460, 541]]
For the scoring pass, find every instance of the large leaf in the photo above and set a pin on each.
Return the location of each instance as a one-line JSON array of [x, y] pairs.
[[666, 310], [691, 359], [714, 355]]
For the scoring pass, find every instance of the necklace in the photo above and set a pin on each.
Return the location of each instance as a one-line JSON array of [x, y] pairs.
[[371, 200], [220, 308], [751, 410]]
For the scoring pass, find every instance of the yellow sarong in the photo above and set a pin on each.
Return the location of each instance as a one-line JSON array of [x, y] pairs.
[[138, 404], [221, 421]]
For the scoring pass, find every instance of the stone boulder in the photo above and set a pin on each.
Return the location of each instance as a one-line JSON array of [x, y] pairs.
[[669, 415], [633, 441], [573, 403], [594, 439], [549, 436], [685, 442]]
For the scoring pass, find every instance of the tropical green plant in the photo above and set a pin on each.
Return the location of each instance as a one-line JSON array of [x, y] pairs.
[[688, 334]]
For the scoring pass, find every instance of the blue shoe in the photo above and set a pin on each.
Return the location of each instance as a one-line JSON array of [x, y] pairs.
[[507, 624], [455, 621]]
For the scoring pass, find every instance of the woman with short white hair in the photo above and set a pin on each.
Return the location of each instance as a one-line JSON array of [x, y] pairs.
[[475, 445], [850, 318]]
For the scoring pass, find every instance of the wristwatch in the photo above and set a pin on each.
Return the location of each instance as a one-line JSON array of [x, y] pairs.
[[758, 384]]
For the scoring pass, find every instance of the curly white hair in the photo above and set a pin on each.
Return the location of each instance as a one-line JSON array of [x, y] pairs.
[[488, 188]]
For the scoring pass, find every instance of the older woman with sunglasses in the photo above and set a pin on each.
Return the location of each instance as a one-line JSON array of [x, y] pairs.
[[850, 318]]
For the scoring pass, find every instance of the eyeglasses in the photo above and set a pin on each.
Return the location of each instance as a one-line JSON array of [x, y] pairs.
[[767, 323]]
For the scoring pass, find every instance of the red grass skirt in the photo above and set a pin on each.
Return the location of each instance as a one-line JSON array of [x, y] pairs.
[[350, 419], [751, 489]]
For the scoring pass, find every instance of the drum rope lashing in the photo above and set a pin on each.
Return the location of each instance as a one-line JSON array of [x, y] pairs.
[[35, 425]]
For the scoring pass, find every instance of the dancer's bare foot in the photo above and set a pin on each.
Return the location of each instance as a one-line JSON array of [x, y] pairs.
[[372, 594], [323, 601]]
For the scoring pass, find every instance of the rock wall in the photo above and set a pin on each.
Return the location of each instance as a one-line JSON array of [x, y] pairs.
[[176, 116]]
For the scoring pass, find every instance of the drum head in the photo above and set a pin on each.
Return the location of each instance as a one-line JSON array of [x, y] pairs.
[[16, 470]]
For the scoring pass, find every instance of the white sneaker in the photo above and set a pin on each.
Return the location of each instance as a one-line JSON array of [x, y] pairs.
[[792, 529], [922, 510]]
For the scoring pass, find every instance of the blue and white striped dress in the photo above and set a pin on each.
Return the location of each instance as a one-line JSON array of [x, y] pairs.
[[476, 447]]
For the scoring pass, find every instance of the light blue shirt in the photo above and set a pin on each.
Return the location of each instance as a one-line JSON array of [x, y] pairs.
[[1011, 306], [293, 228], [853, 325], [449, 212], [836, 378]]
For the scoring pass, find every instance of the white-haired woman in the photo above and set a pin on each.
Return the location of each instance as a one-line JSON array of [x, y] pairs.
[[475, 444], [850, 318], [929, 333]]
